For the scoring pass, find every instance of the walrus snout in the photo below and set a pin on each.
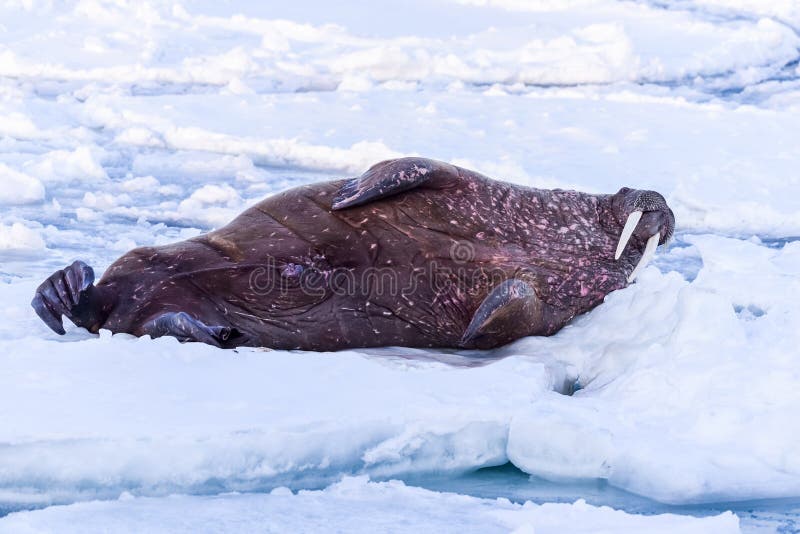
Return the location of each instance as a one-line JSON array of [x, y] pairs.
[[648, 219], [661, 221]]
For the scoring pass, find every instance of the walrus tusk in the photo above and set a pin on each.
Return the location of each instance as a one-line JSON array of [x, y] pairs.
[[627, 232], [647, 255]]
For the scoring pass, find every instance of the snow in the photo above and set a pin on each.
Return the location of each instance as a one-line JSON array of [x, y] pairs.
[[145, 123], [17, 237], [685, 362], [19, 188]]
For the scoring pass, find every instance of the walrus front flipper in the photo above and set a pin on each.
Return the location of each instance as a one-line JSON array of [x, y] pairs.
[[186, 328], [388, 178], [511, 311], [69, 292]]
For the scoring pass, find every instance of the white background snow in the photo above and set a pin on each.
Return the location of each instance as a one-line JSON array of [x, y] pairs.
[[138, 123]]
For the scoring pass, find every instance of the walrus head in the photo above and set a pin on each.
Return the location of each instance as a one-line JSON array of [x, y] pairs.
[[645, 219]]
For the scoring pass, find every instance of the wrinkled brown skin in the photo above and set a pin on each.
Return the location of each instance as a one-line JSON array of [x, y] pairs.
[[561, 242]]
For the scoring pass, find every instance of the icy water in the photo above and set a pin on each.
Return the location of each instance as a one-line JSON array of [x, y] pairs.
[[507, 481]]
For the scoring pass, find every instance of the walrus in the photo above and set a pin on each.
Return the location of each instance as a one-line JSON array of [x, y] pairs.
[[414, 252]]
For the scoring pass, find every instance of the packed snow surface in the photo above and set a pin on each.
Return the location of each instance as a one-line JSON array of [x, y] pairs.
[[128, 124]]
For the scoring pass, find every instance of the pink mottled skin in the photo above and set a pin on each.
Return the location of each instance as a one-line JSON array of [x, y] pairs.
[[435, 238]]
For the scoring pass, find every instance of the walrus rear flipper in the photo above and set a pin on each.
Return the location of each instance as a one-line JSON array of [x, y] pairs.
[[388, 178], [186, 328], [512, 310], [70, 292]]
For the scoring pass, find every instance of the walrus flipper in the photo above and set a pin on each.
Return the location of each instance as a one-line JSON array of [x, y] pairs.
[[512, 310], [68, 292], [389, 178], [186, 328]]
